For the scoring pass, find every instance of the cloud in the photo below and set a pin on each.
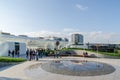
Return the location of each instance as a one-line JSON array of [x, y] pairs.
[[69, 30], [81, 7], [44, 33], [92, 37], [101, 37]]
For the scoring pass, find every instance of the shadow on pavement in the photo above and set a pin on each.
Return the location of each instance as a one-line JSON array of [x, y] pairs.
[[6, 78], [5, 67]]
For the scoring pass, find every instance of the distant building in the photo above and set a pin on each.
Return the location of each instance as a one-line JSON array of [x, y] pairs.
[[5, 33], [103, 47], [77, 39], [34, 42], [56, 38], [23, 35]]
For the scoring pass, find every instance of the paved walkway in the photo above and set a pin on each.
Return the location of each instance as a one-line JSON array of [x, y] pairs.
[[17, 72]]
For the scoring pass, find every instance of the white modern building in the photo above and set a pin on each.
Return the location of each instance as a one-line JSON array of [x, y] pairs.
[[33, 42], [12, 46], [77, 39]]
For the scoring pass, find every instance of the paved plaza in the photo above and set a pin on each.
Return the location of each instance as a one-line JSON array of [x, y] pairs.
[[19, 72]]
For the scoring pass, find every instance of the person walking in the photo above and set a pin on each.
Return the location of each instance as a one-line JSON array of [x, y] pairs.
[[13, 53], [9, 52], [27, 53], [36, 53], [31, 55], [56, 53]]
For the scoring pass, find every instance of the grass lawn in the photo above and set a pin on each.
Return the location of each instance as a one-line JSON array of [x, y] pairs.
[[8, 59], [104, 53]]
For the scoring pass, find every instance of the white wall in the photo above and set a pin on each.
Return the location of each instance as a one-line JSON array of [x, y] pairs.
[[22, 48], [5, 46]]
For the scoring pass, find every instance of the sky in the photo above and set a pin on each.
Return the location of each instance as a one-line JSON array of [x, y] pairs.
[[97, 20]]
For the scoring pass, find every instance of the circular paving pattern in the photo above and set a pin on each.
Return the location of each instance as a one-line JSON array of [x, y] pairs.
[[78, 68], [72, 68]]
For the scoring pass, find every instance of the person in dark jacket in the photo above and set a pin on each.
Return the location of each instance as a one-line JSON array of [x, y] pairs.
[[9, 52], [13, 53]]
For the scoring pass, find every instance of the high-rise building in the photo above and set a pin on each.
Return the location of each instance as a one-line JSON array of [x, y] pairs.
[[77, 39]]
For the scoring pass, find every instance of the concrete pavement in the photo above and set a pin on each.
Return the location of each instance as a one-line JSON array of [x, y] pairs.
[[18, 72]]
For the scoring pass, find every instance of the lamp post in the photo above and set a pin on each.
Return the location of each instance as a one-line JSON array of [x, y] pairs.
[[97, 46]]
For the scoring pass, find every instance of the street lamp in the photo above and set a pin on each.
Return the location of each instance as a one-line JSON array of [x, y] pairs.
[[97, 46]]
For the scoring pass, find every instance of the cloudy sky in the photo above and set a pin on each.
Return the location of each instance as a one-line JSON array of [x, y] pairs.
[[97, 20]]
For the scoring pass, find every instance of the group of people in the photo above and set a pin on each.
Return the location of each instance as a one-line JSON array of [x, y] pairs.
[[85, 54], [56, 53], [34, 54], [13, 53]]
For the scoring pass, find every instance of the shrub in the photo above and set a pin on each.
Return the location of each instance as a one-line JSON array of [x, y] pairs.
[[8, 59]]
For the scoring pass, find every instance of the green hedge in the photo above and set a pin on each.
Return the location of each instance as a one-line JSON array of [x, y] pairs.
[[8, 59]]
